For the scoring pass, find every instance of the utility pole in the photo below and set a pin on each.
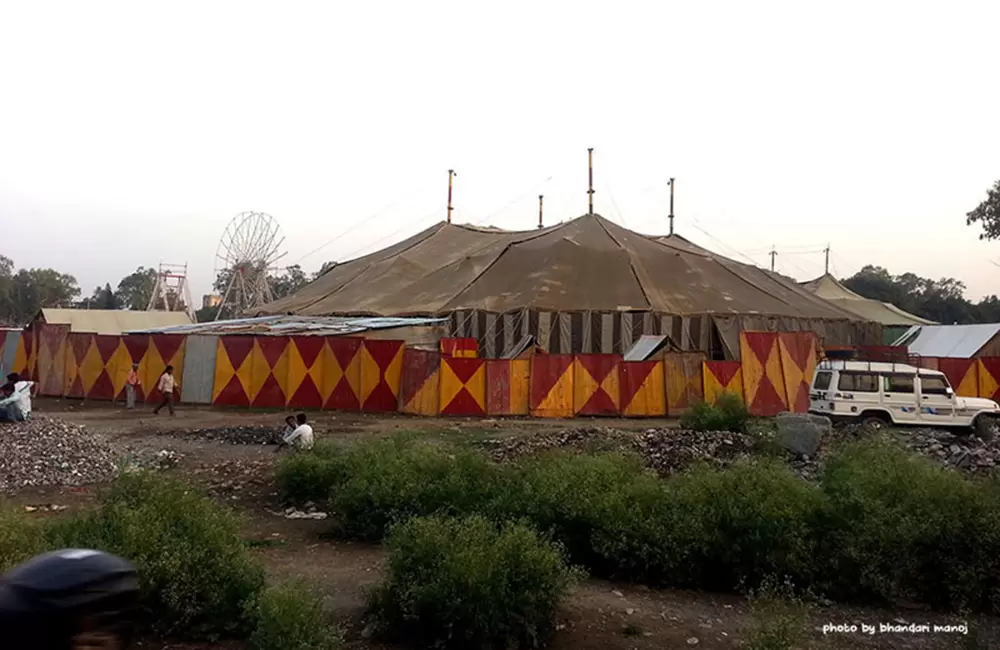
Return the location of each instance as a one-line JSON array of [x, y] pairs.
[[773, 254], [451, 174], [826, 264], [590, 186], [671, 206], [540, 211]]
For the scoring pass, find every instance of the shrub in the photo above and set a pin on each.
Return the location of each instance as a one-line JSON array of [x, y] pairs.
[[195, 572], [465, 583], [310, 476], [390, 481], [736, 526], [290, 617], [778, 617], [21, 537], [728, 413], [904, 528]]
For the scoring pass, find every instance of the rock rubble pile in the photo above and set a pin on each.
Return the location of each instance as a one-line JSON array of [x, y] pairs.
[[48, 452]]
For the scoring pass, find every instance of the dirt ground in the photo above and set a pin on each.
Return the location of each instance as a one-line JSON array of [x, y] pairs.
[[599, 614]]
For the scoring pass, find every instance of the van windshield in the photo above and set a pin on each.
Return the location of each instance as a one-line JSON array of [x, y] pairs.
[[934, 385]]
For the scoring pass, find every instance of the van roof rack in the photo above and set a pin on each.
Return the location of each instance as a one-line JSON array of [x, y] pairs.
[[894, 355]]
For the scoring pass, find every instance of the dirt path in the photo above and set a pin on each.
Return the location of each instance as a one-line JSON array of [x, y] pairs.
[[599, 614]]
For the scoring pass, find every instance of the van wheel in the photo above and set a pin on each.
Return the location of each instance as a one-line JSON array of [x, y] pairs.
[[986, 427], [874, 421]]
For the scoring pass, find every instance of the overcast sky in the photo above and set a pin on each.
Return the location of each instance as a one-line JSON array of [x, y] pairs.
[[131, 135]]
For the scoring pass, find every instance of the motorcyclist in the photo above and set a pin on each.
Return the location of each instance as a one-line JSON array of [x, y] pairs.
[[69, 600]]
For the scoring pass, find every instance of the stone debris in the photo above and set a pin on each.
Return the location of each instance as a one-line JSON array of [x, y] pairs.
[[51, 507], [143, 459], [257, 434], [43, 451], [663, 450], [293, 513]]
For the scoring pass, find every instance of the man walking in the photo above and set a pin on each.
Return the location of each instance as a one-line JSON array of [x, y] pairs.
[[166, 388], [131, 384]]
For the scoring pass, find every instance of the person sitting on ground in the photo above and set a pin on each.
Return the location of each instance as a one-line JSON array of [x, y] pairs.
[[301, 437], [290, 425], [15, 399]]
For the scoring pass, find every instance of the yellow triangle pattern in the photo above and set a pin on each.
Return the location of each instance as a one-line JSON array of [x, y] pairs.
[[224, 370]]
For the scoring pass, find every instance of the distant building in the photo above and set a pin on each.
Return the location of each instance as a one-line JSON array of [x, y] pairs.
[[109, 321]]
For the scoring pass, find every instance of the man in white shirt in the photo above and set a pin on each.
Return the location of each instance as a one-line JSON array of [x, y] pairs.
[[166, 387], [301, 437], [15, 399]]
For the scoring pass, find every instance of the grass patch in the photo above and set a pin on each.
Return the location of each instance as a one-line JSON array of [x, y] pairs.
[[290, 617], [779, 619], [727, 413], [468, 583]]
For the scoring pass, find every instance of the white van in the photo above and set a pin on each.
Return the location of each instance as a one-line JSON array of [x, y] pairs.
[[880, 393]]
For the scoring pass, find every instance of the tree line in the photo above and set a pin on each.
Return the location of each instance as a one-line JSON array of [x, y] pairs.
[[25, 291]]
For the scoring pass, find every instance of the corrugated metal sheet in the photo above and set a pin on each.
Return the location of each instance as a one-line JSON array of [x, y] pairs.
[[291, 325], [948, 341], [113, 321], [199, 368], [646, 346]]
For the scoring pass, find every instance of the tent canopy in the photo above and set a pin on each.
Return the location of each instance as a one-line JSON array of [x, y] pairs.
[[587, 264], [828, 288]]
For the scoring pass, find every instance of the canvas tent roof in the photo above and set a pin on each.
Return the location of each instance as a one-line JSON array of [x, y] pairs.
[[955, 341], [588, 263], [112, 321], [828, 288]]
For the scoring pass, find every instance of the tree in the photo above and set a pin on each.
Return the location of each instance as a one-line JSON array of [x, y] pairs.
[[7, 291], [941, 300], [281, 284], [104, 298], [987, 214], [323, 269], [33, 289], [135, 290]]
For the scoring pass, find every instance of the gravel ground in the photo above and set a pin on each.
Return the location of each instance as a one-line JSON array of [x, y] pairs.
[[44, 451]]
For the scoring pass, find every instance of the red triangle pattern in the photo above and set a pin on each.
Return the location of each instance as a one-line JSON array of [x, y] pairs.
[[307, 395], [309, 348], [761, 343], [463, 403], [168, 345], [136, 346], [106, 346], [381, 399], [237, 349], [723, 371], [382, 352], [80, 343], [343, 397], [600, 403], [344, 350], [463, 368], [272, 347], [766, 402], [103, 387], [802, 398], [76, 388], [799, 346], [270, 394], [631, 377], [233, 394], [599, 366]]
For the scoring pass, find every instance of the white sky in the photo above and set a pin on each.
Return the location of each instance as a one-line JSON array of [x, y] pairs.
[[131, 135]]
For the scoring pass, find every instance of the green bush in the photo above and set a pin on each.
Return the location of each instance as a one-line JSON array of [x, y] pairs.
[[195, 572], [389, 481], [904, 528], [21, 537], [310, 476], [778, 617], [728, 413], [733, 527], [290, 617], [466, 583]]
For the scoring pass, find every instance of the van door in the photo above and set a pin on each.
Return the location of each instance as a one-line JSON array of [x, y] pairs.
[[856, 393], [937, 401], [899, 395]]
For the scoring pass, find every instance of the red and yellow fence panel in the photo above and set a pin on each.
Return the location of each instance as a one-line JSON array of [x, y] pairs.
[[305, 382], [22, 354], [989, 378], [232, 371], [419, 389], [507, 386], [722, 377], [463, 386], [962, 374], [164, 350], [77, 347], [136, 346], [643, 393], [381, 374], [344, 370], [798, 364], [96, 366], [763, 383], [683, 383], [268, 372], [596, 389], [464, 348], [51, 365], [551, 392]]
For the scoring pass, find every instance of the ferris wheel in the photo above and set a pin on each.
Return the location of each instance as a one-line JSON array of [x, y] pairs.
[[249, 249]]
